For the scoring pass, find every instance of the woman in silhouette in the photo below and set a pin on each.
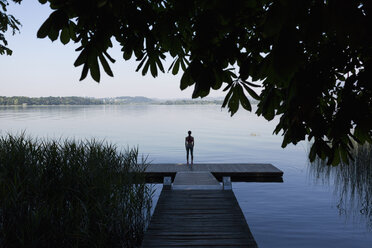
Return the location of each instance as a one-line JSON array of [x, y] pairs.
[[189, 144]]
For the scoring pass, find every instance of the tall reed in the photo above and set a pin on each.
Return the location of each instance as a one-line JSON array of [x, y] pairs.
[[70, 193], [352, 182]]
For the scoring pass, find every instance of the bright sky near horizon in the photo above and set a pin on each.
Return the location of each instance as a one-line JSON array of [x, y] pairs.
[[40, 67]]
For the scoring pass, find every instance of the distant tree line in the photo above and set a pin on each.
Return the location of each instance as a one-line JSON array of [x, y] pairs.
[[121, 100], [191, 102], [71, 100], [197, 102]]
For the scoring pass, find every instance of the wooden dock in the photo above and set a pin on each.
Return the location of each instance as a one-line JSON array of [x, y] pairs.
[[196, 210], [194, 180], [237, 172], [198, 218]]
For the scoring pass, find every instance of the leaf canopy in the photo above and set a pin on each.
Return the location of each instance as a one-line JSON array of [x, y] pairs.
[[7, 22], [311, 59]]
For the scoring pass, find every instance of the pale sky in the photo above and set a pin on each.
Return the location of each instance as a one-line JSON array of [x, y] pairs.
[[39, 67]]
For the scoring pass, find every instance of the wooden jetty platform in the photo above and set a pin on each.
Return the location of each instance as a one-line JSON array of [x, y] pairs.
[[237, 172], [196, 210], [198, 218], [194, 180]]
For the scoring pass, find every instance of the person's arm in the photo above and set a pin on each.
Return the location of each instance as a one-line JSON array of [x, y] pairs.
[[193, 142]]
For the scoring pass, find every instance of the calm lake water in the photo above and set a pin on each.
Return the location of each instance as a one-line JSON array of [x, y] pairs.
[[296, 213]]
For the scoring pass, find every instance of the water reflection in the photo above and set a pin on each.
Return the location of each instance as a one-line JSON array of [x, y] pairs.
[[290, 214], [352, 183]]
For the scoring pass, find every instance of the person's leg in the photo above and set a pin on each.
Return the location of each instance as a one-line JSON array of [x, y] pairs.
[[187, 154], [192, 154]]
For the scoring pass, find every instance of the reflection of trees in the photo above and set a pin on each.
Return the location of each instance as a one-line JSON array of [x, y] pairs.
[[352, 182]]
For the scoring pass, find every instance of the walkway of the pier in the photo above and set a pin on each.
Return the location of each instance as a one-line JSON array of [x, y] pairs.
[[191, 180], [237, 172], [196, 212]]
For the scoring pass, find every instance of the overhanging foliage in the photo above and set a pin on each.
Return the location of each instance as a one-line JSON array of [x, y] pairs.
[[311, 58], [7, 22]]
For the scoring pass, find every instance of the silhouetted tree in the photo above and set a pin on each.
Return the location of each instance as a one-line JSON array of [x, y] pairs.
[[7, 22], [312, 58]]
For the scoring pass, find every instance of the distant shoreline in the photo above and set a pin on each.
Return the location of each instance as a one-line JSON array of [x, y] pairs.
[[123, 100], [105, 104]]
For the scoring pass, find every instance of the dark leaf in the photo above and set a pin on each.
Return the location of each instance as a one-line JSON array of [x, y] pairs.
[[312, 154], [84, 73], [141, 63], [176, 67], [233, 104], [101, 3], [228, 86], [153, 68], [171, 66], [93, 66], [160, 65], [127, 54], [251, 92], [82, 58], [44, 29], [362, 134], [146, 68], [252, 84], [65, 36], [244, 100], [344, 154], [183, 63], [109, 57], [186, 80], [227, 98], [53, 34], [335, 159], [105, 65], [71, 28]]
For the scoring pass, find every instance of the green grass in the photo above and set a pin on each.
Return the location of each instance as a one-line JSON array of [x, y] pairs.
[[352, 182], [69, 193]]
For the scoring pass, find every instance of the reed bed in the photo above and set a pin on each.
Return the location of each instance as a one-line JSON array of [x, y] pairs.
[[352, 182], [71, 193]]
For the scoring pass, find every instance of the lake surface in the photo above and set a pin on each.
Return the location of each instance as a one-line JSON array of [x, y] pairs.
[[296, 213]]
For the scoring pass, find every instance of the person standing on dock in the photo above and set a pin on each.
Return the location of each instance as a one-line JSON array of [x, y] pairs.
[[189, 144]]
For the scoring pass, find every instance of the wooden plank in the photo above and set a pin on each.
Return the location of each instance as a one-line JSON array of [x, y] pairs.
[[198, 218], [220, 167], [190, 180], [237, 172]]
